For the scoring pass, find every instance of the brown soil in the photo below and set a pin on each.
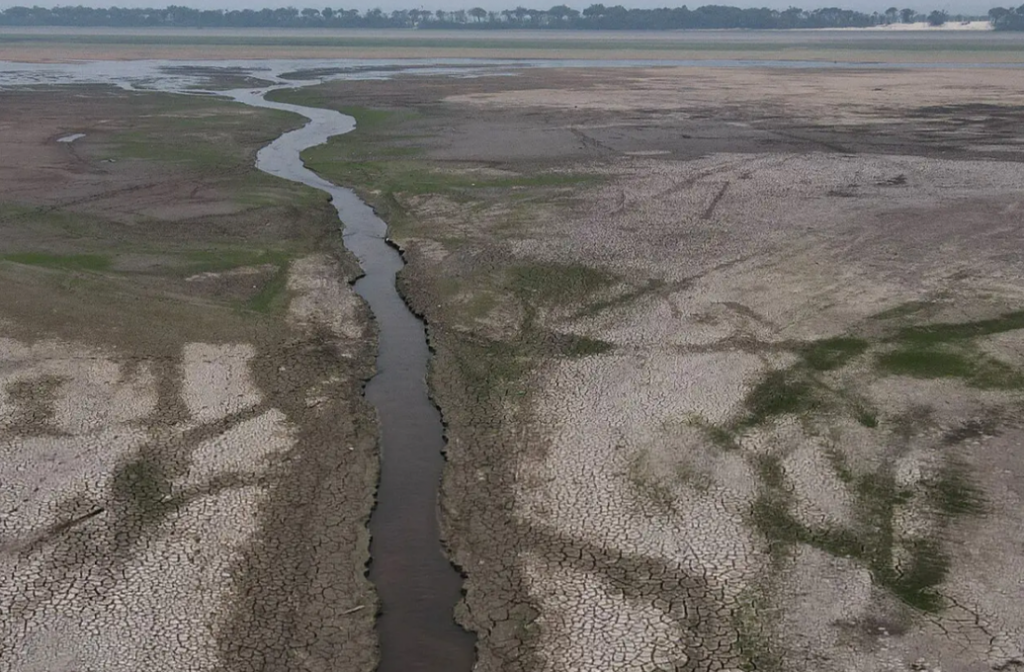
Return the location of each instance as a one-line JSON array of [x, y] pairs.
[[189, 465]]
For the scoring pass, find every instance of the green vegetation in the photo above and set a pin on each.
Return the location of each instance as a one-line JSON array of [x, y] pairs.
[[649, 485], [779, 393], [753, 639], [943, 350], [136, 145], [212, 143], [953, 493], [493, 369], [216, 260], [926, 364], [388, 173], [915, 581], [905, 310], [909, 568], [934, 334], [272, 293], [840, 465], [557, 284], [197, 136], [368, 119], [145, 487], [722, 437], [594, 17], [866, 416], [946, 350], [833, 353], [268, 297], [380, 159], [624, 299], [584, 346], [68, 262]]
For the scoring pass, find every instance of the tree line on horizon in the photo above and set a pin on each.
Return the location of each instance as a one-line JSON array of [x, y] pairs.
[[594, 17]]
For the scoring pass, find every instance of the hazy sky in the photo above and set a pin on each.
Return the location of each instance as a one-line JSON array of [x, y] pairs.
[[952, 6]]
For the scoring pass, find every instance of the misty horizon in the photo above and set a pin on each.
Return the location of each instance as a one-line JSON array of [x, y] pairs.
[[969, 7]]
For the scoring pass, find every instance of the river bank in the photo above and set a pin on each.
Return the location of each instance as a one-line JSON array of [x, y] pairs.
[[189, 464], [729, 363], [696, 336]]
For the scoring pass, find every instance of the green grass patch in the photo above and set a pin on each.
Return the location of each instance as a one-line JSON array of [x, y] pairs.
[[866, 416], [953, 492], [201, 133], [833, 353], [584, 346], [915, 582], [840, 465], [67, 262], [723, 437], [920, 363], [205, 154], [769, 469], [779, 393], [933, 334], [370, 119], [144, 487], [976, 369], [922, 565], [382, 163], [226, 259], [387, 169], [624, 299], [557, 284], [271, 295], [912, 569]]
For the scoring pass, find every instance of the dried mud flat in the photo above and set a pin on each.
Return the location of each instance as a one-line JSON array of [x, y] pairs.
[[730, 360], [186, 461]]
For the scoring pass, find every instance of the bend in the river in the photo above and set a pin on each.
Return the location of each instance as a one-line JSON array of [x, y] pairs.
[[417, 586]]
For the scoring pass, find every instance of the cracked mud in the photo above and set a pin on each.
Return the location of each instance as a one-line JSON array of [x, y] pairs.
[[730, 361], [188, 464], [730, 364]]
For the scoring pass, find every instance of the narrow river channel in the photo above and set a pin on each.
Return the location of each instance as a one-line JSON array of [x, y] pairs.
[[417, 586]]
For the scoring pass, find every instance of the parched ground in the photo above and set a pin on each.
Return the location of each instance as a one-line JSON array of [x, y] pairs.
[[186, 462], [730, 360]]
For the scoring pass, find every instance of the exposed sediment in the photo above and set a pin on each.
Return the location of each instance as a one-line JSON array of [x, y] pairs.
[[188, 462], [697, 417]]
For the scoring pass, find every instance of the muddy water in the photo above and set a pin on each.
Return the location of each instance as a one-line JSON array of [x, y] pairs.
[[417, 586]]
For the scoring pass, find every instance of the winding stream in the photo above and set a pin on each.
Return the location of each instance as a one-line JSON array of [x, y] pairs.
[[417, 586]]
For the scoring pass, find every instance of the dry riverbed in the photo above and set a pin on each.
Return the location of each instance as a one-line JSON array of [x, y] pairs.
[[187, 462], [730, 360]]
